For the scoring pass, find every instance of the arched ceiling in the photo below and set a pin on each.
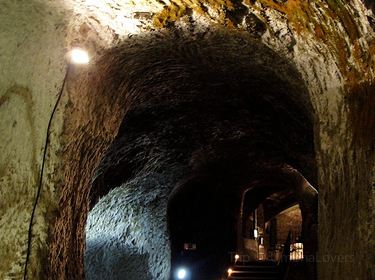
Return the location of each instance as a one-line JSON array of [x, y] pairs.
[[332, 43]]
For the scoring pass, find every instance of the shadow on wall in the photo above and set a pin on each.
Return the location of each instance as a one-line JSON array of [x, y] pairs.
[[370, 4]]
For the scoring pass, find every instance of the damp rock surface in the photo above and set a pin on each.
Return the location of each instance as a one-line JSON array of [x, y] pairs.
[[331, 43]]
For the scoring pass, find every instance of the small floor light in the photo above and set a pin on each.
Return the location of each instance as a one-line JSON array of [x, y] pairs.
[[181, 273], [230, 271]]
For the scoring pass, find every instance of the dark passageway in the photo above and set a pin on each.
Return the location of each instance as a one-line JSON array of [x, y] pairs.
[[227, 115], [188, 139], [202, 212]]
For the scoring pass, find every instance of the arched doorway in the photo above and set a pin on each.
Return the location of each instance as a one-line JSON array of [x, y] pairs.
[[201, 222], [278, 211]]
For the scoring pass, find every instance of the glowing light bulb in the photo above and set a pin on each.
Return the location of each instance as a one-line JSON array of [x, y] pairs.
[[181, 273], [230, 271], [236, 257], [79, 56]]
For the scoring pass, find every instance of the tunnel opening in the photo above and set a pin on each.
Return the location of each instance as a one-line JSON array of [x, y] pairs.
[[266, 227], [213, 229], [203, 115], [278, 225], [201, 222], [264, 237]]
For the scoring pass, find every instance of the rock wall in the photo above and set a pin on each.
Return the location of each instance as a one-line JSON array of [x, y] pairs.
[[31, 47], [197, 101], [290, 220], [331, 43], [126, 231]]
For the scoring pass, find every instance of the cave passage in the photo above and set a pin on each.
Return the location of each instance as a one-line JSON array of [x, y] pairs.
[[215, 227], [279, 217], [201, 216], [208, 118]]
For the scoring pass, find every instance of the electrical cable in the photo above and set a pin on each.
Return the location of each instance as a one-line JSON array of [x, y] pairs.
[[41, 174]]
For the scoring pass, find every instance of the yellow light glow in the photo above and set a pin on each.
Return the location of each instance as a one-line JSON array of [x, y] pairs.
[[236, 257], [229, 271], [79, 56], [296, 251]]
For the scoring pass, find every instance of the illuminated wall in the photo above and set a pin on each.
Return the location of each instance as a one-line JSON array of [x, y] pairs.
[[289, 220], [330, 42]]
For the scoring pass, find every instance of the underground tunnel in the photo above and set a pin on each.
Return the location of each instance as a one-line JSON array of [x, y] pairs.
[[190, 140], [230, 113]]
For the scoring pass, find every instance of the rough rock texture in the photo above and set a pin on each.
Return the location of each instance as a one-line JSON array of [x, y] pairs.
[[288, 221], [32, 39], [219, 120], [126, 236], [331, 43]]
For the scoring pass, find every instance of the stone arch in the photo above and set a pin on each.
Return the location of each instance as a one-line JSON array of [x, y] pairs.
[[287, 180], [121, 123]]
